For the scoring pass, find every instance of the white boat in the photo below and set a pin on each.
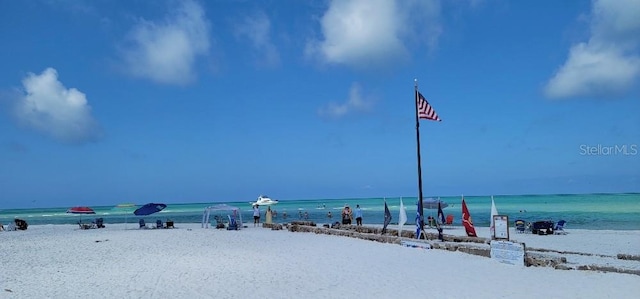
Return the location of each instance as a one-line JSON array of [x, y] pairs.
[[264, 200]]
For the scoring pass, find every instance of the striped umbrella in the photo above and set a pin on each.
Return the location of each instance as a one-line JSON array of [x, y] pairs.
[[81, 210]]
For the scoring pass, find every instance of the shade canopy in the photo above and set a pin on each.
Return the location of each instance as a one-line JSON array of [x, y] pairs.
[[221, 207], [432, 203]]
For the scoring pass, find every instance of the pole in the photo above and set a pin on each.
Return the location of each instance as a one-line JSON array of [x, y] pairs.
[[420, 205]]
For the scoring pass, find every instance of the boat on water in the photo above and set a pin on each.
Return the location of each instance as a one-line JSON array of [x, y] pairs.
[[264, 200]]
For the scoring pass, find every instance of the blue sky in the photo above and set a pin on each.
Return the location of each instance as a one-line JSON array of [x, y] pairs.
[[106, 102]]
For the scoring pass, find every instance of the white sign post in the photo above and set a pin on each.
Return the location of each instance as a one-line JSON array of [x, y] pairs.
[[501, 231], [508, 252]]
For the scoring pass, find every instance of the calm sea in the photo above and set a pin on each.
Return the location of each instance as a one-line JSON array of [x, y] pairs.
[[584, 211]]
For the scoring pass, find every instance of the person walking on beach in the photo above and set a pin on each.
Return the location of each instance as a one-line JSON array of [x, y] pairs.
[[358, 215], [346, 215], [256, 215], [268, 215]]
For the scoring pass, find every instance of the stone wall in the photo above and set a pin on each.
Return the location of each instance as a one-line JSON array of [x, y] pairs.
[[471, 245]]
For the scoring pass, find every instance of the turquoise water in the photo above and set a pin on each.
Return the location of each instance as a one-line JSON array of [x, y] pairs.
[[584, 211]]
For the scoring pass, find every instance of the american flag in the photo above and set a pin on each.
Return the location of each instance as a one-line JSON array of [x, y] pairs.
[[425, 111]]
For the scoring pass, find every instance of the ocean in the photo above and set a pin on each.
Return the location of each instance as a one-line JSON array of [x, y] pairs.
[[581, 211]]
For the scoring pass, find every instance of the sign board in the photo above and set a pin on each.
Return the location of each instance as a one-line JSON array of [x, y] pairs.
[[501, 227], [508, 252]]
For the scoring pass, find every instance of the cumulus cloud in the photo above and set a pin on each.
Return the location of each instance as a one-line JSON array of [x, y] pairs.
[[165, 52], [257, 29], [355, 103], [54, 110], [609, 62], [373, 33]]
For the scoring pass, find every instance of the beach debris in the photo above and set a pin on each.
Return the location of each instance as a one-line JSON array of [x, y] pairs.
[[608, 269], [105, 240], [632, 257], [305, 223], [8, 290], [272, 226]]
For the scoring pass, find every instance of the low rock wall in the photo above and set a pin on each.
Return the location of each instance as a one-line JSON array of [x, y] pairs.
[[471, 245]]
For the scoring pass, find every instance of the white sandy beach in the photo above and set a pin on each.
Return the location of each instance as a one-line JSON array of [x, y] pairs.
[[61, 261]]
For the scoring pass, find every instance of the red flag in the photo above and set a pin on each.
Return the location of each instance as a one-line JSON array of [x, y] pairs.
[[466, 220], [425, 111]]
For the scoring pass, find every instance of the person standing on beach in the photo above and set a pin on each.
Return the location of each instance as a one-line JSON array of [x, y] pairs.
[[256, 215], [346, 215], [268, 215], [358, 215]]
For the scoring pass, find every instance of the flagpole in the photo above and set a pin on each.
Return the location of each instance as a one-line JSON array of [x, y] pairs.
[[420, 206]]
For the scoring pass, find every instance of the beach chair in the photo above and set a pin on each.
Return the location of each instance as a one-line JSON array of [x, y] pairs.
[[219, 221], [559, 230], [99, 223], [169, 224], [159, 224], [11, 227], [449, 220], [21, 224], [544, 227], [86, 225], [142, 224], [431, 222], [233, 225], [520, 226]]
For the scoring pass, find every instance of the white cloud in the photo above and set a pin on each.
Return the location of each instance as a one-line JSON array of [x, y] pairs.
[[372, 33], [166, 52], [50, 108], [257, 29], [355, 103], [609, 62]]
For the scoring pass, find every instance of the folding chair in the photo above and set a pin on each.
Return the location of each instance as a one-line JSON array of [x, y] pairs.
[[520, 226], [449, 220], [142, 224], [559, 230], [233, 225]]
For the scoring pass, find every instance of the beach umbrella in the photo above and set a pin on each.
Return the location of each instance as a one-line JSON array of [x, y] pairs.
[[149, 209], [432, 203], [81, 210]]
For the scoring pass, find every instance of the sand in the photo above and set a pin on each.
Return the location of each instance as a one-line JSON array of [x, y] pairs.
[[61, 261]]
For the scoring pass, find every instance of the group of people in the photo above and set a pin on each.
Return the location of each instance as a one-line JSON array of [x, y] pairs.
[[269, 215], [347, 215]]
